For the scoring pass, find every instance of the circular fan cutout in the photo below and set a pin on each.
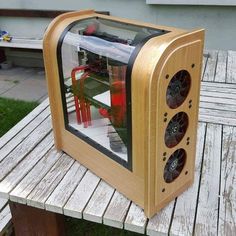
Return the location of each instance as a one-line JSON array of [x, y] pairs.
[[178, 89], [174, 165], [176, 129]]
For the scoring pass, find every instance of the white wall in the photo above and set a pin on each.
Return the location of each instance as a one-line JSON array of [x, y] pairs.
[[219, 21]]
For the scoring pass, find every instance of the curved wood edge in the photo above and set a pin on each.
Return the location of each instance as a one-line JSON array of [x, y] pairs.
[[145, 84]]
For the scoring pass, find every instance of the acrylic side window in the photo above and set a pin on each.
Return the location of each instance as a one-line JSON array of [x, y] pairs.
[[94, 56]]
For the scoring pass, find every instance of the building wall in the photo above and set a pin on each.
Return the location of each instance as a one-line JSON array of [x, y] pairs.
[[219, 21]]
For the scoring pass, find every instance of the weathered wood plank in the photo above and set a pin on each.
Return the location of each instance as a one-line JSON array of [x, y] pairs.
[[218, 113], [116, 210], [98, 202], [227, 212], [81, 195], [136, 220], [207, 208], [231, 67], [219, 90], [217, 116], [5, 217], [24, 148], [21, 124], [209, 73], [204, 63], [43, 190], [23, 134], [183, 219], [217, 85], [217, 100], [160, 223], [65, 188], [216, 120], [3, 202], [218, 106], [18, 173], [220, 75], [218, 95], [32, 179]]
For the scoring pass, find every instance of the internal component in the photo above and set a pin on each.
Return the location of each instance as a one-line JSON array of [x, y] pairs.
[[174, 165], [176, 129], [178, 89]]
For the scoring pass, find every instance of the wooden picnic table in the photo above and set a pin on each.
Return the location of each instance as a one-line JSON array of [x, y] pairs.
[[33, 172]]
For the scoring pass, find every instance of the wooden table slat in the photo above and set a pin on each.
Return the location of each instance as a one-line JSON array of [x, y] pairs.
[[43, 190], [23, 134], [26, 146], [3, 202], [98, 203], [135, 220], [227, 209], [160, 223], [217, 113], [5, 217], [116, 211], [18, 173], [204, 63], [220, 75], [218, 95], [24, 122], [231, 67], [209, 73], [207, 208], [217, 100], [80, 197], [65, 188], [216, 120], [32, 179], [187, 202], [218, 117], [228, 91], [217, 85], [218, 106]]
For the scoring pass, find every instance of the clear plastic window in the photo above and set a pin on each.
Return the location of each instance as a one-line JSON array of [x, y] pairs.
[[94, 55]]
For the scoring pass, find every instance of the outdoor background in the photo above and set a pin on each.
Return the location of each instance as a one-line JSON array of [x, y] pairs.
[[219, 21]]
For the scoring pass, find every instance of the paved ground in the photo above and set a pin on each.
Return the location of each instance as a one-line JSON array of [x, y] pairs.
[[27, 84]]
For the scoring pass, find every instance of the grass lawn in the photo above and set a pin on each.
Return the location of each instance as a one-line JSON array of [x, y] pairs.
[[76, 227], [11, 112]]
